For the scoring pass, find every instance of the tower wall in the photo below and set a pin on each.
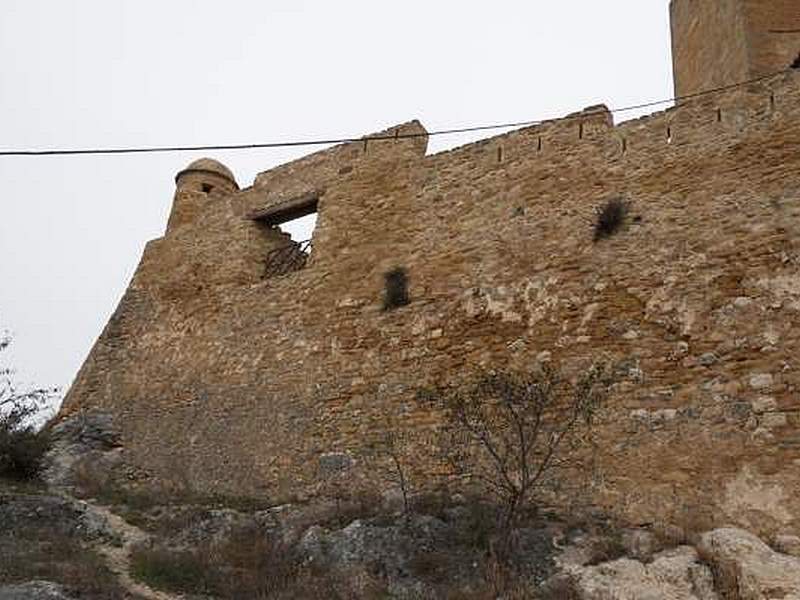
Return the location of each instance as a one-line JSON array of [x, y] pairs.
[[709, 45], [717, 43], [203, 181], [773, 34]]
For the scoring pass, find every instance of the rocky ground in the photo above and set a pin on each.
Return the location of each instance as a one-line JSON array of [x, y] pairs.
[[75, 538], [59, 547]]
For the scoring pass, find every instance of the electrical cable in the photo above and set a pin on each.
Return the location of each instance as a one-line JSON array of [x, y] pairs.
[[398, 136]]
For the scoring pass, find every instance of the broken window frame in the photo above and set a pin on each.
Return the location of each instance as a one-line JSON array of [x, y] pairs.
[[294, 255]]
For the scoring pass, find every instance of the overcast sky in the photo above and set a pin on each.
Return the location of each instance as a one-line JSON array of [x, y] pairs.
[[98, 73]]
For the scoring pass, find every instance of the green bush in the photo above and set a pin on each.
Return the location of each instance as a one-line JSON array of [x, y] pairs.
[[22, 450], [22, 446]]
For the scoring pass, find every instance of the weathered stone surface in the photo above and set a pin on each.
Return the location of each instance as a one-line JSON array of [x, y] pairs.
[[387, 550], [749, 568], [34, 590], [87, 444], [639, 544], [65, 516], [673, 575], [787, 544], [361, 541]]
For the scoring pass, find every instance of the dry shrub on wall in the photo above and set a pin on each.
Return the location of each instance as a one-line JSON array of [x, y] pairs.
[[517, 433], [395, 289], [610, 218]]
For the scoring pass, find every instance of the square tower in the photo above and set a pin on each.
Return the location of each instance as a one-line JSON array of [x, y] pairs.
[[722, 42]]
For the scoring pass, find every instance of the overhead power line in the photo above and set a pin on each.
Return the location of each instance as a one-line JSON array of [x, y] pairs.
[[331, 141]]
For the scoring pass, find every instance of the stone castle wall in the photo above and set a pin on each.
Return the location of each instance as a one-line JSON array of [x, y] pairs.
[[718, 43], [244, 385]]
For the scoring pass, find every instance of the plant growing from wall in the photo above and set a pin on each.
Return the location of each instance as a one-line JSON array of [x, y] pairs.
[[395, 292], [389, 455], [610, 218], [22, 446], [515, 432]]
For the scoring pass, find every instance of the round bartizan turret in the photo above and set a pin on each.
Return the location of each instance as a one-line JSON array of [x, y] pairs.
[[208, 166]]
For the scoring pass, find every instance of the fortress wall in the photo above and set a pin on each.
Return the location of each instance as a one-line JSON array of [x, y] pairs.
[[250, 387], [313, 173]]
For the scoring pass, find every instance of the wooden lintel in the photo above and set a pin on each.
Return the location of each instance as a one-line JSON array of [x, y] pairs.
[[288, 210]]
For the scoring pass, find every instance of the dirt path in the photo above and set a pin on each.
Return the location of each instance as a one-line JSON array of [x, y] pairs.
[[118, 557]]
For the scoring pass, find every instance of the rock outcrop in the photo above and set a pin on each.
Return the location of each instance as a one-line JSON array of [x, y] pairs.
[[34, 590], [675, 574], [85, 450], [748, 569]]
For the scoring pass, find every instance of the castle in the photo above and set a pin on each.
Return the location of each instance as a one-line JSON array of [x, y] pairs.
[[248, 363]]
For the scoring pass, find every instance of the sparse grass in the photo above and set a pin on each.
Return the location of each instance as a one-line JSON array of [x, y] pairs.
[[48, 555], [726, 576], [685, 528], [107, 492], [610, 218], [559, 588], [345, 508], [607, 547], [172, 571], [480, 525], [431, 503], [238, 569], [248, 566], [434, 566]]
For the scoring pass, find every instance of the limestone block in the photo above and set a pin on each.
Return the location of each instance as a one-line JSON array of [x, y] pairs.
[[750, 567], [673, 575]]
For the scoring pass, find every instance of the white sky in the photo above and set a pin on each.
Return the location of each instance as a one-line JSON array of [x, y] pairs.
[[98, 73]]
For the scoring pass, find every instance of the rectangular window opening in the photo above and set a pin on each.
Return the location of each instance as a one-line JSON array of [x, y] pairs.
[[294, 221]]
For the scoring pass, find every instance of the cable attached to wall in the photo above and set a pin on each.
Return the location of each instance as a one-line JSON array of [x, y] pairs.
[[395, 136]]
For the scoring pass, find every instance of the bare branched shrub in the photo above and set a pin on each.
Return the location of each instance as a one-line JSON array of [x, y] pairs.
[[22, 446], [610, 218], [389, 456], [395, 288], [514, 433]]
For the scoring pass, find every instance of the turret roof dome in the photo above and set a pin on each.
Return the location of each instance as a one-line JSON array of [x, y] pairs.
[[209, 165]]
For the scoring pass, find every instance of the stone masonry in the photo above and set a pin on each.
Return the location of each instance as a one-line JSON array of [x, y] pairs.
[[717, 43], [243, 384]]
